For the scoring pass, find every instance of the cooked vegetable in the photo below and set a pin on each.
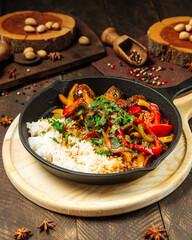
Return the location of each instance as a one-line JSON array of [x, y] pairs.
[[131, 129]]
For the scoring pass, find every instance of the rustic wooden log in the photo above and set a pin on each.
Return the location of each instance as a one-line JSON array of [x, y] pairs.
[[12, 31], [164, 42]]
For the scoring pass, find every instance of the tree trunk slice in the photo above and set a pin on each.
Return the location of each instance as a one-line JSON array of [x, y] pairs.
[[12, 31], [164, 41]]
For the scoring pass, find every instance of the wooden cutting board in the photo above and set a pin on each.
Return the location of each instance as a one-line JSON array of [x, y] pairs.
[[73, 56], [59, 195]]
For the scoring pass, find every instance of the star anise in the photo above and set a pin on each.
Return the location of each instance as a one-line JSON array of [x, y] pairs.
[[5, 121], [189, 65], [155, 233], [11, 73], [21, 233], [55, 56], [45, 225]]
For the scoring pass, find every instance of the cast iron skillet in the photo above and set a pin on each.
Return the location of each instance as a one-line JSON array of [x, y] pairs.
[[45, 101]]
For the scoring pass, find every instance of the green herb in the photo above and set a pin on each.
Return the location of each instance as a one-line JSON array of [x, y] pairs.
[[115, 141], [55, 139], [105, 152], [66, 136], [57, 125], [97, 142], [114, 128], [43, 132], [68, 120], [81, 111], [72, 144]]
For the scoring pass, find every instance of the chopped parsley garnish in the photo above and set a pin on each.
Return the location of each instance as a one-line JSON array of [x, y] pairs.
[[105, 152], [115, 141], [114, 128], [66, 136], [81, 111], [43, 132], [97, 142], [55, 139], [68, 120], [57, 125], [72, 144]]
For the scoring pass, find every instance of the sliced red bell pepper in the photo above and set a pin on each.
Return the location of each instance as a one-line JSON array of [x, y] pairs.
[[135, 110], [68, 111], [137, 120], [157, 115], [88, 135], [161, 130]]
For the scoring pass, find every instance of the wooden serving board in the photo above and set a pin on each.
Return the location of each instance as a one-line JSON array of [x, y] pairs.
[[73, 56], [62, 196]]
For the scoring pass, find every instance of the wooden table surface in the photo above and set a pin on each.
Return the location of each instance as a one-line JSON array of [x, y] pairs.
[[173, 212]]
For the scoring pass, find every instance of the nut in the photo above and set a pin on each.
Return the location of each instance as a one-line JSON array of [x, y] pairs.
[[28, 49], [41, 28], [179, 27], [42, 53], [188, 27], [29, 29], [190, 38], [30, 55], [30, 21], [48, 25], [184, 35], [56, 26], [190, 21], [84, 40]]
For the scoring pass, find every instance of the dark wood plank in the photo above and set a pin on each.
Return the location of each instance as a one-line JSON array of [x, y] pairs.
[[172, 8], [127, 226], [131, 18], [176, 211]]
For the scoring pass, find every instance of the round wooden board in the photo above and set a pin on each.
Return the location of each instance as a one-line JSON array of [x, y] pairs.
[[62, 196], [12, 25]]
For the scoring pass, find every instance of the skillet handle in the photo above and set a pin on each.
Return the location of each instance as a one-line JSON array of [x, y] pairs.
[[172, 92]]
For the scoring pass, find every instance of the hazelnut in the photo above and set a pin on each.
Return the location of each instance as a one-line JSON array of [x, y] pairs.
[[179, 27], [190, 38], [41, 28], [28, 49], [184, 35], [84, 40], [5, 52], [42, 53], [190, 21], [30, 55], [29, 29], [48, 25], [188, 27], [56, 26], [30, 21]]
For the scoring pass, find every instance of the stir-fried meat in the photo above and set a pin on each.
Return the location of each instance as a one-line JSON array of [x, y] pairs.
[[78, 92], [121, 103], [114, 92], [132, 101]]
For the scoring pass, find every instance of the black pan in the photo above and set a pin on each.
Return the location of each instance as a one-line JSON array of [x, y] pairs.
[[45, 101]]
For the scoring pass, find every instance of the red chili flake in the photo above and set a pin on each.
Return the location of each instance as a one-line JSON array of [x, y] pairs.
[[158, 75], [34, 90], [153, 56], [128, 70], [40, 84], [169, 67], [120, 62], [155, 66], [150, 53], [6, 93], [141, 78], [140, 75], [147, 68], [153, 75], [113, 67], [134, 74], [165, 81], [150, 82], [46, 80], [138, 70], [35, 85]]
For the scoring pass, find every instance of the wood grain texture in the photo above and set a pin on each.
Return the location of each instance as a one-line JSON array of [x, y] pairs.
[[98, 18]]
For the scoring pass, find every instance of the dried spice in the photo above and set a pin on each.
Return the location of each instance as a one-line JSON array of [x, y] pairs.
[[155, 233], [55, 56], [5, 121], [189, 65], [45, 225], [21, 233], [11, 73]]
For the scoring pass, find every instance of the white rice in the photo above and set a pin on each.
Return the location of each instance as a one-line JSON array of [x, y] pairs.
[[80, 156]]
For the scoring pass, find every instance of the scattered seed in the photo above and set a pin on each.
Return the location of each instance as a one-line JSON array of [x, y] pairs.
[[34, 85], [28, 70], [18, 93]]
